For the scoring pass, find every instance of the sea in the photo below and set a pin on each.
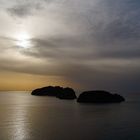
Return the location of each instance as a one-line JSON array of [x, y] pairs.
[[27, 117]]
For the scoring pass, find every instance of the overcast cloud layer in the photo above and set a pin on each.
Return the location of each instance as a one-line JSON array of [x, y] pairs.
[[94, 43]]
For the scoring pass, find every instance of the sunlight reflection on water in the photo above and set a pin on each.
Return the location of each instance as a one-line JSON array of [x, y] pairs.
[[20, 128], [14, 117], [19, 118]]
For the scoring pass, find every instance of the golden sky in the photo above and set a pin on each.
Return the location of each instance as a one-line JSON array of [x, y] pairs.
[[22, 81]]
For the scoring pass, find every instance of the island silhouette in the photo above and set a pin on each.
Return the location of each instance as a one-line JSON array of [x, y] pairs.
[[99, 96], [94, 96], [57, 91]]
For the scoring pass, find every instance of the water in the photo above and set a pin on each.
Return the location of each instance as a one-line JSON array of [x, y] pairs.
[[26, 117]]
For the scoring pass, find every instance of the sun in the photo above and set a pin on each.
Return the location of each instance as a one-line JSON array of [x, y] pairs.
[[23, 40]]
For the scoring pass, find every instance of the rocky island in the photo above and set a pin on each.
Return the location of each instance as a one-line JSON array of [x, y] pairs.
[[99, 96], [57, 91]]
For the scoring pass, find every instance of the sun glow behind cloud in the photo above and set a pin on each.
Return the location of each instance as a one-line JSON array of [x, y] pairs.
[[23, 40]]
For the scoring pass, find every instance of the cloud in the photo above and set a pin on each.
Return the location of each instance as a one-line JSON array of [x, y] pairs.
[[23, 10], [93, 43], [99, 73]]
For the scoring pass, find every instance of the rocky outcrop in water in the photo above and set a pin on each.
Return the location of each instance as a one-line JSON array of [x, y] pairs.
[[57, 91], [99, 96]]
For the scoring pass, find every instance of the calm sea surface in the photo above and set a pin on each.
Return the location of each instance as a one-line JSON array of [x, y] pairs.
[[26, 117]]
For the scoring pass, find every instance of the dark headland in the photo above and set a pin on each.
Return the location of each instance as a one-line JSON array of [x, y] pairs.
[[95, 96], [99, 96], [57, 91]]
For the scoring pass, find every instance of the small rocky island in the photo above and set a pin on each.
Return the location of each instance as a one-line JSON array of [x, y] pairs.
[[99, 96], [57, 91]]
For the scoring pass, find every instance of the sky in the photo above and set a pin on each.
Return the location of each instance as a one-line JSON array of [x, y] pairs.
[[92, 44]]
